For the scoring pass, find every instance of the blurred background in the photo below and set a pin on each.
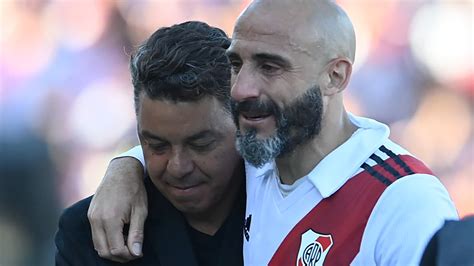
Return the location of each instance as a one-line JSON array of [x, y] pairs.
[[66, 105]]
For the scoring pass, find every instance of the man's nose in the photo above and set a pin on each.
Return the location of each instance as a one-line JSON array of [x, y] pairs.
[[245, 85], [180, 164]]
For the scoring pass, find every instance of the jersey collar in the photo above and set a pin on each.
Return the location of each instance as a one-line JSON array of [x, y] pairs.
[[345, 161]]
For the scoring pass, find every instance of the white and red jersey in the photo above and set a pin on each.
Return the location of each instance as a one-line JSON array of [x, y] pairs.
[[369, 202]]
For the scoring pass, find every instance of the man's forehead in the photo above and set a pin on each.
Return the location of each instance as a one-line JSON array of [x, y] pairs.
[[270, 26], [272, 40], [201, 114], [188, 135], [265, 25], [194, 129], [310, 27], [207, 101], [271, 35], [275, 16]]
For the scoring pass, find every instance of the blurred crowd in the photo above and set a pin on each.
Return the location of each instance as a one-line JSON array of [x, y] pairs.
[[66, 104]]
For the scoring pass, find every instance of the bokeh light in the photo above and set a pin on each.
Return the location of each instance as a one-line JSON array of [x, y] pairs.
[[442, 39], [102, 114]]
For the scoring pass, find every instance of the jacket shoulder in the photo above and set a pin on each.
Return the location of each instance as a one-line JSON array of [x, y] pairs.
[[73, 238], [75, 217]]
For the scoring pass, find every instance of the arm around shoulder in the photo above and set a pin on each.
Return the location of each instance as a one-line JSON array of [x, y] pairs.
[[120, 199]]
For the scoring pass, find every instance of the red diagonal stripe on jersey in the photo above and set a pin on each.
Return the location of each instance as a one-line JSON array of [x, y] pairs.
[[343, 215]]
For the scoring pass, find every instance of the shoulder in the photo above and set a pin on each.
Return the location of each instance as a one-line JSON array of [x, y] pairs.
[[404, 219], [75, 216], [416, 194], [409, 181], [74, 229], [452, 244], [73, 238]]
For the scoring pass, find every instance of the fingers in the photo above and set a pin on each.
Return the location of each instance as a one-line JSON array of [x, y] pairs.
[[109, 241], [116, 243], [99, 240], [135, 233], [107, 214]]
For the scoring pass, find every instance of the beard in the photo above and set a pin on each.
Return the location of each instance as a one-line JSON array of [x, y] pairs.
[[295, 124]]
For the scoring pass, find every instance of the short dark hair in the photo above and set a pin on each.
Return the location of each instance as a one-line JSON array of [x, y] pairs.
[[184, 62]]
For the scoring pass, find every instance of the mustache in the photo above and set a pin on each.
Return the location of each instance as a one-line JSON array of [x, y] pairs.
[[255, 106]]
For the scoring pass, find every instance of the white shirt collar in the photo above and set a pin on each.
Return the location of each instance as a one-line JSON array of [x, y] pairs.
[[342, 163]]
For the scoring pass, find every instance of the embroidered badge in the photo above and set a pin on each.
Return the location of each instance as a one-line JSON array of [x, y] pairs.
[[313, 249]]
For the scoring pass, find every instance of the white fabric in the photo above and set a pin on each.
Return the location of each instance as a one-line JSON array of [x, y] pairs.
[[287, 189], [135, 152], [406, 216], [404, 219]]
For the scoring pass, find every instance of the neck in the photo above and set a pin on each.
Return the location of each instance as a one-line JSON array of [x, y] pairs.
[[210, 221], [335, 130]]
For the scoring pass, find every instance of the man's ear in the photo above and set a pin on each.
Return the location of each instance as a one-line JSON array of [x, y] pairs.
[[338, 73]]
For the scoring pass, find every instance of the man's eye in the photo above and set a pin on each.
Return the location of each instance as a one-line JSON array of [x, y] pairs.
[[269, 69], [235, 66], [158, 148], [202, 146]]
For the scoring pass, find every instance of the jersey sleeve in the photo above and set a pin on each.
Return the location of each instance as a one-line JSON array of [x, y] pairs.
[[404, 219], [135, 152]]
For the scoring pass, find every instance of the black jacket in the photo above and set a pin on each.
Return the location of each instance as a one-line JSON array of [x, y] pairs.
[[167, 241], [451, 245]]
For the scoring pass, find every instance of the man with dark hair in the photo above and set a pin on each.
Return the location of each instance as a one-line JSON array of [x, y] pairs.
[[194, 182], [323, 186]]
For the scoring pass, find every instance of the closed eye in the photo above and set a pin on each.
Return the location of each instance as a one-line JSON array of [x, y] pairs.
[[158, 148], [202, 146], [271, 64], [269, 68]]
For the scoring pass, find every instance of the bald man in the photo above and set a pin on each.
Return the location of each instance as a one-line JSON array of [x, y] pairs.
[[323, 186]]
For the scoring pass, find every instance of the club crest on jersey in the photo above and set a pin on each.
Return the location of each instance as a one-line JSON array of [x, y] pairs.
[[313, 249]]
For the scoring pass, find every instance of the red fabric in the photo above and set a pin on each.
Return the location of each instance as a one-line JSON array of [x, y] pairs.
[[343, 215]]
